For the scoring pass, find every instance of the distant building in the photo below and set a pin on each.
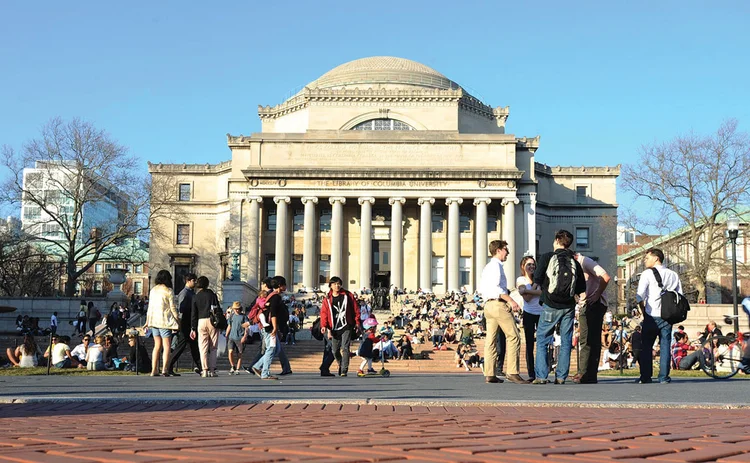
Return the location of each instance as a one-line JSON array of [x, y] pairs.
[[11, 225]]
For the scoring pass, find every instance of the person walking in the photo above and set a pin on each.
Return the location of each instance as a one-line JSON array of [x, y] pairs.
[[269, 320], [532, 309], [185, 306], [339, 319], [162, 319], [590, 319], [648, 297], [498, 313], [201, 328], [237, 324], [561, 278], [93, 316]]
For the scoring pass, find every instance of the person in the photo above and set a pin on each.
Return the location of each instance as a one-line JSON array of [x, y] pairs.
[[609, 318], [53, 323], [636, 343], [294, 326], [590, 319], [110, 351], [460, 357], [142, 356], [80, 324], [561, 278], [366, 351], [95, 355], [236, 326], [684, 356], [498, 313], [745, 363], [162, 319], [79, 351], [60, 353], [25, 355], [93, 315], [339, 319], [269, 319], [202, 329], [405, 349], [530, 292], [185, 306], [450, 334], [648, 297], [710, 331]]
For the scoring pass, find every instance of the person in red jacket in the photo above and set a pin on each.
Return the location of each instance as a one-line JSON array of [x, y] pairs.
[[339, 319]]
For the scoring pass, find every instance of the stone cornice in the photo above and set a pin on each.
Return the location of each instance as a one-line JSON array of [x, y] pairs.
[[473, 105], [220, 168], [531, 144], [406, 137], [605, 171], [338, 173]]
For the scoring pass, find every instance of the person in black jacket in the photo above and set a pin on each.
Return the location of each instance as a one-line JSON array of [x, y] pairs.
[[561, 278], [185, 306], [201, 327], [144, 364]]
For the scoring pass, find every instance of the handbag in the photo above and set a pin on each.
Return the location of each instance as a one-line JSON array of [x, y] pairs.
[[216, 316]]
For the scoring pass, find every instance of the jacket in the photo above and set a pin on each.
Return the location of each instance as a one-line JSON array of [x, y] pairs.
[[202, 302], [352, 311], [161, 310]]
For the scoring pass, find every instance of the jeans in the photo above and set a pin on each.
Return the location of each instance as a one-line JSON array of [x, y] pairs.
[[689, 361], [547, 321], [341, 345], [285, 366], [264, 364], [530, 323], [590, 319], [653, 328]]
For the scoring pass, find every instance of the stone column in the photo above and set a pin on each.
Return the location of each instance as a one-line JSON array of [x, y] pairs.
[[509, 227], [480, 239], [365, 242], [253, 242], [337, 236], [425, 243], [529, 213], [397, 241], [309, 260], [454, 243], [282, 232]]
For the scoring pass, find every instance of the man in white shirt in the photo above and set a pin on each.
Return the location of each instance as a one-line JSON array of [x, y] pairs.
[[648, 297], [53, 324], [498, 311], [590, 319]]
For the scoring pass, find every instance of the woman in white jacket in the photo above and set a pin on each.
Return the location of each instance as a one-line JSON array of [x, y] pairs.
[[163, 319]]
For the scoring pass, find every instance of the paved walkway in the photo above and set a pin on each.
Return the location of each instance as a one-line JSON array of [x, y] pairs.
[[140, 432]]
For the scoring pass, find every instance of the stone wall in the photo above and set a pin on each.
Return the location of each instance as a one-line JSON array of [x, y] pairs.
[[43, 307]]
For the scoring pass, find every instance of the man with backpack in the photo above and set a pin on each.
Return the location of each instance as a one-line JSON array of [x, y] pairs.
[[561, 278], [339, 318], [655, 281]]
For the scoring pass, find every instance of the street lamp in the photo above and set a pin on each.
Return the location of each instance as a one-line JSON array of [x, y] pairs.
[[733, 226]]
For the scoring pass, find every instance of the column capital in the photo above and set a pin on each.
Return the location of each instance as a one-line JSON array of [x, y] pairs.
[[458, 201], [506, 201], [392, 201], [311, 199], [478, 201], [366, 199], [421, 201], [278, 199], [257, 199], [336, 199]]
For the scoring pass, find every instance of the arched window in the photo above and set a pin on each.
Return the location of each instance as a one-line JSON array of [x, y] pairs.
[[382, 124]]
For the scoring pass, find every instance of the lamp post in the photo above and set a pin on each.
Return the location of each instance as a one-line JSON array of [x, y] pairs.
[[733, 226]]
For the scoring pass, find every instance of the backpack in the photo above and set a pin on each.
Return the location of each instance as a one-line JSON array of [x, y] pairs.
[[217, 317], [674, 306], [315, 330], [561, 274], [254, 314]]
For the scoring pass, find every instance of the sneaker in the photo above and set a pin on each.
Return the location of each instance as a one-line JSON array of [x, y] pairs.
[[214, 374], [539, 381], [197, 370], [231, 371], [248, 369], [559, 381], [256, 371], [285, 373], [204, 374], [270, 377], [361, 373], [371, 371], [343, 375]]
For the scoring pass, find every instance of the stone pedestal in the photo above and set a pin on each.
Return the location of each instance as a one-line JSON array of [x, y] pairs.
[[237, 291]]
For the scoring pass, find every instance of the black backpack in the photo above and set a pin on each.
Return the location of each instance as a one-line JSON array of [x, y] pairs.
[[561, 274], [315, 330], [674, 306]]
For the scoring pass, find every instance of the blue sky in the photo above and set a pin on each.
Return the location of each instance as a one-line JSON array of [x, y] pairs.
[[169, 79]]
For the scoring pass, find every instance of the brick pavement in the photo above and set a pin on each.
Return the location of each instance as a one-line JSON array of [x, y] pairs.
[[204, 432]]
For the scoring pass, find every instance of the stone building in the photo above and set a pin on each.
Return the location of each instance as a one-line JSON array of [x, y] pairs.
[[384, 172]]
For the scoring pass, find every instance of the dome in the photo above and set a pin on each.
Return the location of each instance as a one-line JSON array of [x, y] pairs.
[[383, 70]]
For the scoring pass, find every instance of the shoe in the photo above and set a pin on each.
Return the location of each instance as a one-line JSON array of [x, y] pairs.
[[517, 379], [326, 373], [285, 373], [559, 381], [248, 369], [197, 370], [256, 371], [270, 377], [665, 381], [214, 374], [371, 371], [640, 381], [578, 380], [492, 379], [204, 374], [539, 381], [343, 375], [231, 370], [172, 373], [502, 373], [361, 373]]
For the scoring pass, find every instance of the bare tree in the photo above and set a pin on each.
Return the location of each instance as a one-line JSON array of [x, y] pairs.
[[83, 194], [692, 182], [25, 270]]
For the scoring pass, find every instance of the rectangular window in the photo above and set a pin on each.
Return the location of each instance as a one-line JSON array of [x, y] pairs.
[[98, 268], [385, 257], [138, 287], [491, 223], [138, 268], [582, 238], [464, 271], [438, 270], [325, 220], [581, 194], [296, 272], [298, 222], [271, 220], [437, 222], [32, 212], [107, 266], [324, 269], [270, 265], [98, 287], [184, 192], [183, 234], [464, 223]]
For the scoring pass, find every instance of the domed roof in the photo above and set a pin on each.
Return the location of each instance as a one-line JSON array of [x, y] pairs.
[[383, 70]]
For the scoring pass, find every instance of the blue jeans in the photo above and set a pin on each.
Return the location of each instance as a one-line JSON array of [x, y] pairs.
[[544, 335], [264, 364], [654, 327]]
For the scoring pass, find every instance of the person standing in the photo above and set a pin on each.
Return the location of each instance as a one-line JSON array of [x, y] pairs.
[[648, 297], [561, 278], [530, 292], [498, 313], [339, 318], [53, 323], [270, 321], [236, 327], [201, 327], [93, 316], [162, 319], [590, 319], [185, 306]]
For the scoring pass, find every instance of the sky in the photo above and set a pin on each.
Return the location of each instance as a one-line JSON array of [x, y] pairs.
[[169, 79]]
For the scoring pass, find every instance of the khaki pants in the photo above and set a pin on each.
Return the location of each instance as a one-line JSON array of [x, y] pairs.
[[499, 316], [208, 342]]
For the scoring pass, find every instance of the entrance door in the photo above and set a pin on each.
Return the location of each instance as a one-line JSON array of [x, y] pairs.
[[381, 263], [381, 280], [179, 277]]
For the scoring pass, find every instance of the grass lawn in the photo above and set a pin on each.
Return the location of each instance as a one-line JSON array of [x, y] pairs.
[[37, 371], [633, 372]]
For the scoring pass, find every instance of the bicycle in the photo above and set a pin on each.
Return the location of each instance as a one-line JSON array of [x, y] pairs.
[[721, 356]]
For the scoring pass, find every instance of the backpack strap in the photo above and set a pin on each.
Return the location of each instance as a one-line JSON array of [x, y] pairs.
[[657, 275]]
